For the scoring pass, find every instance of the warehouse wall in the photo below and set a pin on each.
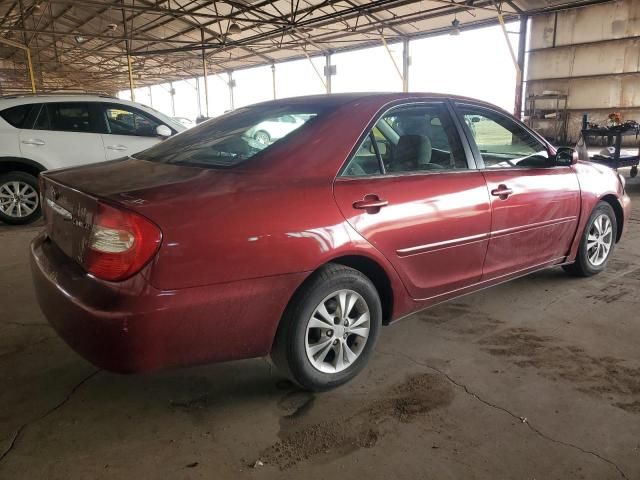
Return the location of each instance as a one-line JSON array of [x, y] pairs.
[[592, 54]]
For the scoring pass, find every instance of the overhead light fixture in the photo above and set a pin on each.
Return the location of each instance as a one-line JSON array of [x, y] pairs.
[[112, 26], [455, 27], [80, 38], [234, 28]]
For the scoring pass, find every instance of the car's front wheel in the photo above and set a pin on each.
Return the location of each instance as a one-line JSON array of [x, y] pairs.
[[329, 329], [19, 198], [597, 243]]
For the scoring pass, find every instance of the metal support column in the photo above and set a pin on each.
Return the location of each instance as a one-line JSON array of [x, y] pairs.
[[172, 92], [204, 73], [273, 79], [231, 83], [406, 61], [150, 97], [130, 68], [522, 49], [127, 48], [329, 71]]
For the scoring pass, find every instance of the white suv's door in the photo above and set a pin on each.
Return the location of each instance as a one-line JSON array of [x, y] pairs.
[[63, 135], [129, 130]]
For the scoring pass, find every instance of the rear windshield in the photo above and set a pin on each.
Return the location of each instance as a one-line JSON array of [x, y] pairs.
[[233, 138]]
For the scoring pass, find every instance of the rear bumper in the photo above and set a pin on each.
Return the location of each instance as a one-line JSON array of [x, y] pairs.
[[132, 327]]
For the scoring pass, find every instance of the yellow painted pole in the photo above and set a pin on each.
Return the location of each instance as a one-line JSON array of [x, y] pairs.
[[204, 71], [30, 65], [393, 60], [206, 86], [320, 77], [131, 85], [513, 54]]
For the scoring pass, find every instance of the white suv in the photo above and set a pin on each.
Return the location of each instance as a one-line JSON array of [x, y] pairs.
[[43, 132]]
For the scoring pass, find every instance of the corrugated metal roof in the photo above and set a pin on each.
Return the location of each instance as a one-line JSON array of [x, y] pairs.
[[82, 44]]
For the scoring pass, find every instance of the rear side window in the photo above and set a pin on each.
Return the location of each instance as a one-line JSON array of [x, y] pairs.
[[65, 117], [410, 139], [16, 116]]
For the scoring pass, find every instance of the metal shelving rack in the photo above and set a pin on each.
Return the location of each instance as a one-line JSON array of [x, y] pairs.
[[536, 115]]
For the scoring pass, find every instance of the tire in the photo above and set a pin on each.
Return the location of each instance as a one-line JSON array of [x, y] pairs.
[[302, 330], [585, 266], [27, 209], [262, 137]]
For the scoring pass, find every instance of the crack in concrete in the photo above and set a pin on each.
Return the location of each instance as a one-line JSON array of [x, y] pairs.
[[24, 324], [524, 420], [18, 432]]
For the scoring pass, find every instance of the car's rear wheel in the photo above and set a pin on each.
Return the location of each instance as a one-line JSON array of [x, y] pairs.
[[19, 198], [262, 137], [597, 243], [329, 330]]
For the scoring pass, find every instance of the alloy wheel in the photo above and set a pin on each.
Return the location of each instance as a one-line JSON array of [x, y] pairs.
[[599, 240], [337, 331], [18, 199]]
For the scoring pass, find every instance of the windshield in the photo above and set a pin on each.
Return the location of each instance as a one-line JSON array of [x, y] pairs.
[[233, 138]]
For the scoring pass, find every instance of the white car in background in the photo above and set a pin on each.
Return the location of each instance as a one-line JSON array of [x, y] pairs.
[[184, 121], [271, 130], [44, 132]]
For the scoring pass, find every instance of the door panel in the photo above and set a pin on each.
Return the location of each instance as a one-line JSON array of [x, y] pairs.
[[535, 203], [61, 149], [434, 229], [129, 130], [118, 146], [63, 136], [534, 224]]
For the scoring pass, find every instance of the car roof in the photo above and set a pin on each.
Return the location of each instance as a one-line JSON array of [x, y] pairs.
[[24, 99], [370, 98]]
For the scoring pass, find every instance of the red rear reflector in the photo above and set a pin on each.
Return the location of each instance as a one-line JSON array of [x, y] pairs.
[[121, 243]]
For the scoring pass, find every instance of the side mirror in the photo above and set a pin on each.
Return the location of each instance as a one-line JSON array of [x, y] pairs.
[[163, 131], [566, 156]]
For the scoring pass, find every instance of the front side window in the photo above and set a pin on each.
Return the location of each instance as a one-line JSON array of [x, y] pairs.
[[502, 142], [65, 117], [410, 139], [124, 121], [233, 138]]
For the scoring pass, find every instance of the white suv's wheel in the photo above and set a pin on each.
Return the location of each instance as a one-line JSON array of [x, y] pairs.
[[19, 198]]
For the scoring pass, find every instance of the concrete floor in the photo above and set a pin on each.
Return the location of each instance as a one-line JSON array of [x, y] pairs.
[[535, 379]]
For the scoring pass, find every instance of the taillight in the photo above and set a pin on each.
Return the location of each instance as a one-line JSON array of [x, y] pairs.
[[121, 243]]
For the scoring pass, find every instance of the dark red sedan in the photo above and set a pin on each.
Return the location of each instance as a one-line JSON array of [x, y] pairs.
[[216, 245]]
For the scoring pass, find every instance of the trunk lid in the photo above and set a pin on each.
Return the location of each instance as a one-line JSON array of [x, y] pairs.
[[162, 193]]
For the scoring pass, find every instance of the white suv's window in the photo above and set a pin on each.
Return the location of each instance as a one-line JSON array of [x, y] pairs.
[[16, 116], [124, 121], [65, 117]]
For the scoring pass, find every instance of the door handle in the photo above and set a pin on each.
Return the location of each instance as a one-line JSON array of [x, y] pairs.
[[33, 141], [117, 147], [371, 203], [502, 192]]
